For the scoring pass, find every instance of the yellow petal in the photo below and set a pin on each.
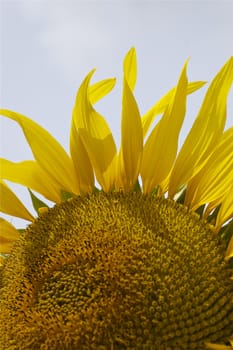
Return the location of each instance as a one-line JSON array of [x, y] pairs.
[[161, 146], [95, 135], [217, 346], [49, 154], [130, 155], [165, 183], [130, 68], [163, 103], [100, 89], [82, 163], [216, 176], [11, 205], [8, 235], [229, 252], [206, 130], [226, 209], [31, 175]]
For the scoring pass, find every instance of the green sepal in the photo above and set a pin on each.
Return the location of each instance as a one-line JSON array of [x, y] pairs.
[[180, 195], [137, 187], [96, 190], [155, 191], [36, 202], [200, 210], [213, 216], [21, 230], [66, 195], [226, 231]]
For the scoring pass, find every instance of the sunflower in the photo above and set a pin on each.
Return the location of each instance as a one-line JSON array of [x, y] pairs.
[[136, 252]]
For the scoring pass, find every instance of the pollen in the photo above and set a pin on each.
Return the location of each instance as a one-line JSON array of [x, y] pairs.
[[116, 271]]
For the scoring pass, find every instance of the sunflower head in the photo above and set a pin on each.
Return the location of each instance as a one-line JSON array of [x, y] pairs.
[[145, 261], [125, 270]]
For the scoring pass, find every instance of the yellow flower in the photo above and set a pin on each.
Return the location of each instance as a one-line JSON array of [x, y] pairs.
[[142, 262]]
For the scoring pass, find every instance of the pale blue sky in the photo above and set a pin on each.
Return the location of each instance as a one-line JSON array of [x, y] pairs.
[[47, 48]]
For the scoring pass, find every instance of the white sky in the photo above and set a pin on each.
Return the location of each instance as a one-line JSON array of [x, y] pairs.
[[48, 46]]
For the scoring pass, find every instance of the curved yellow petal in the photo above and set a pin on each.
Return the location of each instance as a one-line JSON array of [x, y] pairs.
[[226, 209], [163, 103], [218, 346], [95, 135], [229, 251], [49, 154], [130, 155], [82, 164], [130, 68], [216, 176], [8, 235], [11, 205], [206, 130], [30, 174], [161, 146], [100, 89]]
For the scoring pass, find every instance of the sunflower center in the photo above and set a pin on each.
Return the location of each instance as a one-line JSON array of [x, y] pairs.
[[113, 272]]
